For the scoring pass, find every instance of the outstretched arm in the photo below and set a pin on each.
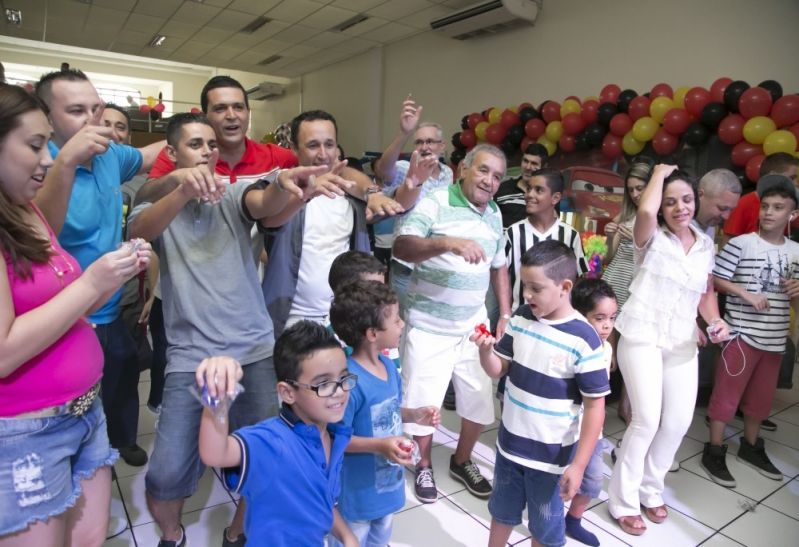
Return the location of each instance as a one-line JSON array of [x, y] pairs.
[[409, 119]]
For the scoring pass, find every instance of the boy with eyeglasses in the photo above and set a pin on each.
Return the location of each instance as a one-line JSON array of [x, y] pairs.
[[287, 468]]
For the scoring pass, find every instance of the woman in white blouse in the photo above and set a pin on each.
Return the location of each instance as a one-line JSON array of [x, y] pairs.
[[658, 344]]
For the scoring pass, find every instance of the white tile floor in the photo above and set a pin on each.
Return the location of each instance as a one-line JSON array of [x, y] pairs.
[[759, 512]]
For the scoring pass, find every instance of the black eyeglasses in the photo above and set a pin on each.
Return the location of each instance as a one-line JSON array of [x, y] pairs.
[[328, 388], [428, 142]]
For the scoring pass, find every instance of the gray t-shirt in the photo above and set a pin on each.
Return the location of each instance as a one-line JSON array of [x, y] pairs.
[[212, 299]]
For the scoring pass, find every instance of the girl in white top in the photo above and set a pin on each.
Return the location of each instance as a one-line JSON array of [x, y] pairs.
[[657, 348]]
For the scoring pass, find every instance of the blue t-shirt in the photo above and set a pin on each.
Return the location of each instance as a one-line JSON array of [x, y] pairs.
[[93, 223], [289, 489], [372, 486]]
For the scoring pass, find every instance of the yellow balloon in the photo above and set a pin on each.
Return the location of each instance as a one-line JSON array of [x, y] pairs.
[[548, 144], [758, 128], [494, 115], [480, 130], [151, 101], [644, 129], [554, 131], [658, 108], [679, 96], [630, 145], [514, 109], [780, 141], [569, 106], [591, 98]]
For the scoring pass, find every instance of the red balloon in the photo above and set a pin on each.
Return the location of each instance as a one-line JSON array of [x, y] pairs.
[[566, 143], [572, 124], [621, 124], [664, 143], [525, 105], [160, 107], [676, 121], [551, 111], [468, 138], [535, 128], [495, 133], [785, 111], [526, 141], [795, 130], [589, 112], [731, 129], [753, 167], [509, 119], [473, 119], [144, 109], [755, 101], [609, 94], [717, 89], [661, 90], [195, 110], [639, 107], [611, 146], [696, 99], [744, 151]]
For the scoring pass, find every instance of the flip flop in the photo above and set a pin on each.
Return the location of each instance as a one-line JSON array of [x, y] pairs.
[[656, 514], [627, 524]]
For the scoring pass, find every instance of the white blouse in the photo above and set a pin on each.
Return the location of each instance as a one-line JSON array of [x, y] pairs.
[[666, 289]]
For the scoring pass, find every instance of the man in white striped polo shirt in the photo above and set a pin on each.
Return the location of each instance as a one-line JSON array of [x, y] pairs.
[[454, 238]]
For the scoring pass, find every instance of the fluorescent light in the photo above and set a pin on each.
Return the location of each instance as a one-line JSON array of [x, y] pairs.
[[14, 17], [158, 40]]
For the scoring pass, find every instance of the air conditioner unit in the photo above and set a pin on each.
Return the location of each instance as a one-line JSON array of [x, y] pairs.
[[487, 18], [265, 90]]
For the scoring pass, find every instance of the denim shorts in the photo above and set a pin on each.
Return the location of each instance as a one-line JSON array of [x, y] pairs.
[[592, 476], [175, 467], [515, 486], [370, 533], [43, 460]]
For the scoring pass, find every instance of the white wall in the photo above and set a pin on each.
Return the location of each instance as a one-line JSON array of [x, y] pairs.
[[576, 47]]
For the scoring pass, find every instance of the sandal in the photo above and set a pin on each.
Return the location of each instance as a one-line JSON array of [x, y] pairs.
[[632, 524], [656, 514]]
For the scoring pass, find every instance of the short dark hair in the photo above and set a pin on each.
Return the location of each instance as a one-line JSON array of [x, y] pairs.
[[781, 192], [359, 306], [553, 179], [297, 343], [555, 257], [310, 116], [588, 292], [350, 266], [686, 177], [45, 83], [537, 149], [119, 109], [176, 123], [777, 163], [217, 82]]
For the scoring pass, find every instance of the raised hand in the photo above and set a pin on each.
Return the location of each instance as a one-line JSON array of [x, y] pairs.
[[201, 181], [410, 115], [420, 169], [90, 141]]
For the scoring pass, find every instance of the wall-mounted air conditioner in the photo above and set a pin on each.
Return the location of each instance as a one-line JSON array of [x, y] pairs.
[[486, 18], [265, 90]]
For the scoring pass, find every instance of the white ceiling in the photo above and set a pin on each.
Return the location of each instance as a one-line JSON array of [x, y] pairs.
[[208, 33]]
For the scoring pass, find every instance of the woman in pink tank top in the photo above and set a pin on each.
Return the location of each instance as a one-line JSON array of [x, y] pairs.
[[54, 452]]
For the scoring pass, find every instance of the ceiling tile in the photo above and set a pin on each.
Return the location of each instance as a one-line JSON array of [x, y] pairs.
[[212, 36], [398, 10], [72, 11], [458, 4], [296, 34], [326, 39], [422, 19], [125, 5], [356, 45], [249, 57], [26, 33], [299, 51], [179, 29], [270, 47], [390, 33], [256, 7], [105, 18], [293, 11], [365, 26], [222, 53], [231, 20], [358, 5], [191, 12], [143, 23], [328, 17], [191, 51], [134, 37], [157, 8], [218, 3]]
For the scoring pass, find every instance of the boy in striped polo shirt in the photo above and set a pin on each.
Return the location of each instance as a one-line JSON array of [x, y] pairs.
[[553, 358]]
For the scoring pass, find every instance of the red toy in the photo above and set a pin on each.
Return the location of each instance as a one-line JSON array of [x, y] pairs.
[[482, 329]]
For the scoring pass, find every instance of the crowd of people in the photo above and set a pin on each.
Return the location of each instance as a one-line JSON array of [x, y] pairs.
[[306, 321]]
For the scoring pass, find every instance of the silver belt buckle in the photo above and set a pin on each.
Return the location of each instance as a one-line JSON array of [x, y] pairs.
[[79, 406]]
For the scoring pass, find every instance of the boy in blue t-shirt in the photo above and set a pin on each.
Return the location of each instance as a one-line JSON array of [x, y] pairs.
[[365, 314], [553, 360], [289, 466]]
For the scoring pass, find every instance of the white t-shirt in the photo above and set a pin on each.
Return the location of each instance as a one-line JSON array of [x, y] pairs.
[[326, 234]]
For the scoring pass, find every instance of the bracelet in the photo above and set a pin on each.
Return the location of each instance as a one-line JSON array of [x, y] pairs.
[[505, 316], [375, 189]]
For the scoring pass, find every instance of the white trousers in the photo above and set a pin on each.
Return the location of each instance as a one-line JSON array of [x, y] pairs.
[[662, 388]]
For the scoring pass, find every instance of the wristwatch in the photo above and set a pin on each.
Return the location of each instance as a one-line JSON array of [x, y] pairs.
[[374, 189]]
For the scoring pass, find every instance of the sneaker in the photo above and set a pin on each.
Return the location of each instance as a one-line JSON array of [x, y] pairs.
[[133, 455], [240, 541], [714, 462], [425, 487], [171, 543], [755, 456], [470, 475], [765, 425]]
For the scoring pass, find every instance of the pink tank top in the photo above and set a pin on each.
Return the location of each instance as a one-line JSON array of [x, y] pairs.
[[69, 367]]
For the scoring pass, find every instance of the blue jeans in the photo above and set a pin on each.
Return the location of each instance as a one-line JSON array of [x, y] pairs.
[[370, 533], [592, 476], [43, 461], [515, 486]]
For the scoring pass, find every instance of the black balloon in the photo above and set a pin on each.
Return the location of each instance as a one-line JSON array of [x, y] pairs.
[[581, 142], [606, 112], [624, 99], [595, 132], [712, 115], [528, 113], [515, 134], [456, 156], [772, 87], [733, 94], [456, 140], [465, 122], [696, 134], [508, 146]]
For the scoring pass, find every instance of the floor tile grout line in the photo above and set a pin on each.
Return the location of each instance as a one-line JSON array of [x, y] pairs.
[[705, 477], [125, 509], [784, 484], [717, 533]]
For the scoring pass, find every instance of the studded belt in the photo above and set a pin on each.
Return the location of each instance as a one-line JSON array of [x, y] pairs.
[[76, 407]]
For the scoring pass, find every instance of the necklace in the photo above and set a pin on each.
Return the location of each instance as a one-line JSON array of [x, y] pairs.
[[59, 273]]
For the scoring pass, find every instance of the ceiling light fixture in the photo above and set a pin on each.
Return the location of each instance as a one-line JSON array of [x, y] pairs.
[[349, 23], [269, 60], [14, 17], [158, 40], [255, 24]]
